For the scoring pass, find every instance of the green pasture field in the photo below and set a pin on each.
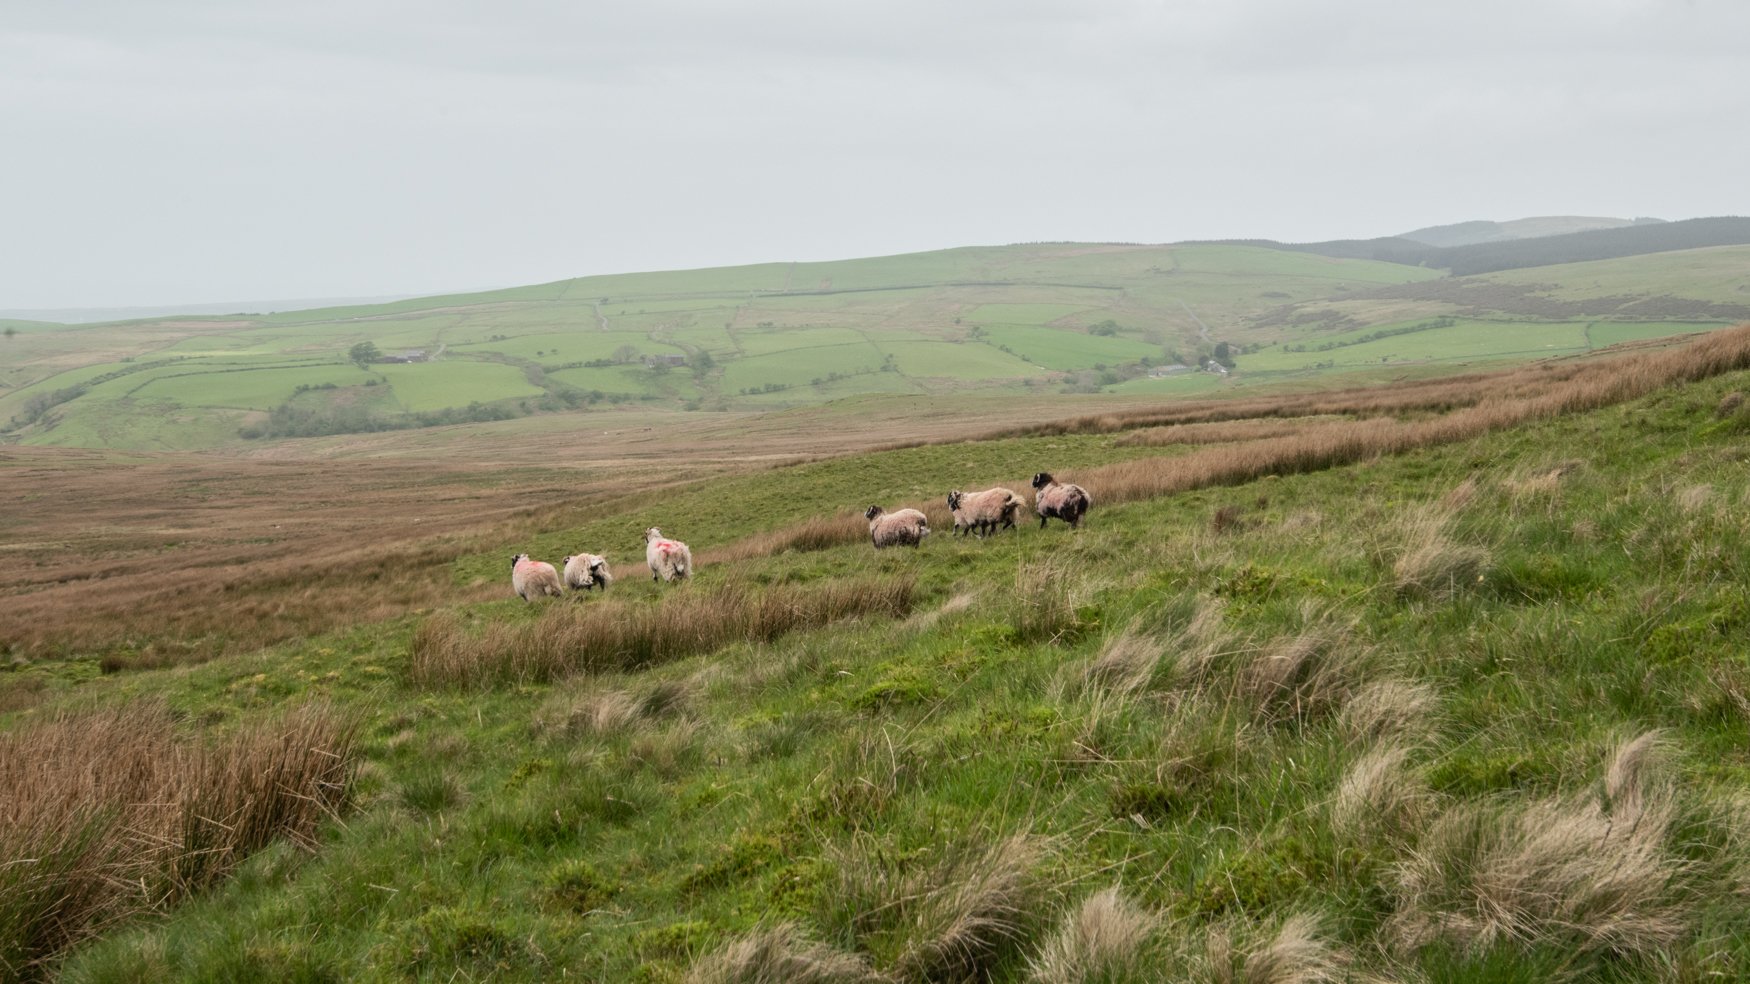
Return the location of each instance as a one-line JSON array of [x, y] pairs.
[[455, 383], [633, 380], [576, 345], [1465, 340], [955, 360], [1181, 384], [1056, 348], [1608, 333], [144, 425], [1020, 314], [710, 336], [11, 401], [810, 397], [246, 388], [765, 341], [1469, 340], [799, 367], [1718, 273]]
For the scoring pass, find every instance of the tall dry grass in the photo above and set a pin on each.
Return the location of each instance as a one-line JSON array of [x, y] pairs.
[[621, 635], [1452, 409], [1595, 874], [952, 919], [1511, 400], [780, 955], [1296, 954], [1101, 942], [106, 814]]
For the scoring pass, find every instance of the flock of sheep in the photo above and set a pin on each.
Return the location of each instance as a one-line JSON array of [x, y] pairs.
[[974, 512]]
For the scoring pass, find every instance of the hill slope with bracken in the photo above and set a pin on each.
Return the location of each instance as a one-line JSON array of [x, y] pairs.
[[1436, 681]]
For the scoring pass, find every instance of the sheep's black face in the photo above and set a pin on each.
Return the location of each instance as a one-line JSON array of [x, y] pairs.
[[954, 500], [517, 559], [597, 569], [872, 512], [1041, 480]]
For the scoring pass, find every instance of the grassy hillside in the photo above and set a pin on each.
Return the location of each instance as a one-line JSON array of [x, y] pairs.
[[1037, 319], [1439, 687], [1065, 316]]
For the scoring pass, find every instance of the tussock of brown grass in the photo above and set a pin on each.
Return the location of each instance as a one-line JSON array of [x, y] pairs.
[[594, 710], [1101, 942], [1228, 518], [105, 814], [1390, 708], [1594, 874], [1432, 564], [780, 955], [1695, 498], [619, 635], [950, 919], [1302, 676], [1294, 955], [1729, 404], [1380, 794], [1046, 602], [1126, 661], [1132, 659], [964, 912]]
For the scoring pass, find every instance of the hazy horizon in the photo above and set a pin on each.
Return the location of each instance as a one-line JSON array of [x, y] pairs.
[[189, 152]]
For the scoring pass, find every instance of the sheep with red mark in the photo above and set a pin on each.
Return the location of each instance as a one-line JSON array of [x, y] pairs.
[[986, 512], [1055, 500], [534, 578], [586, 571], [904, 527], [668, 559]]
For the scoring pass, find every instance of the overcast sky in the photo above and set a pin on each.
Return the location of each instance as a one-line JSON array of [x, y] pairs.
[[170, 151]]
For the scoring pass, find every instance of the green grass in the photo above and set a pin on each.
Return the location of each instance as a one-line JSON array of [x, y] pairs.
[[1713, 274], [583, 344], [789, 324], [800, 366], [955, 360], [247, 388], [842, 778], [1019, 314], [454, 383], [1466, 340], [1060, 349]]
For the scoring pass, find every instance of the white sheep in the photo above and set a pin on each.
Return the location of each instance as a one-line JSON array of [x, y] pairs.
[[585, 571], [1053, 500], [985, 511], [533, 578], [903, 527], [668, 559]]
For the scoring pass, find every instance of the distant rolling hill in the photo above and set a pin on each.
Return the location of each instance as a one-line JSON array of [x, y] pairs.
[[1484, 231], [1513, 254], [1032, 320]]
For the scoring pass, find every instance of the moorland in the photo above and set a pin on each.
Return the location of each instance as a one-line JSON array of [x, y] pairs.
[[1405, 648]]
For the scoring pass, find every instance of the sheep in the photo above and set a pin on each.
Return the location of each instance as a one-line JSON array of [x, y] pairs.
[[985, 511], [906, 526], [1053, 500], [533, 578], [585, 571], [668, 559]]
